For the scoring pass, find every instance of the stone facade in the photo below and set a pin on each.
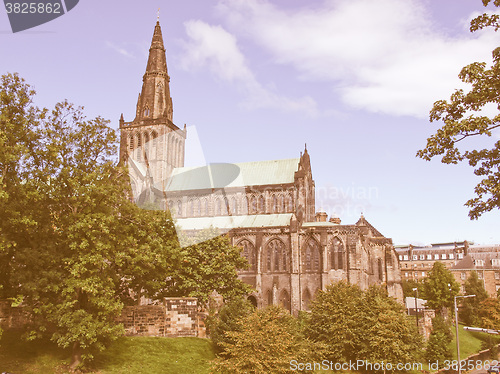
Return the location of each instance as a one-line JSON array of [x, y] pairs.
[[269, 210]]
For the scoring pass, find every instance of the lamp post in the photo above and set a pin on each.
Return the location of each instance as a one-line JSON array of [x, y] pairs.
[[456, 329], [416, 307]]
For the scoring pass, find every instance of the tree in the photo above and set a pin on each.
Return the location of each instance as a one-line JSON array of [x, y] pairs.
[[228, 320], [72, 245], [409, 285], [473, 286], [463, 120], [355, 325], [438, 345], [489, 313], [440, 287], [267, 341], [210, 265], [334, 321], [389, 335]]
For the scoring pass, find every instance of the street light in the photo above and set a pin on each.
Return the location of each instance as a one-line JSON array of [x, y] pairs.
[[416, 308], [456, 329]]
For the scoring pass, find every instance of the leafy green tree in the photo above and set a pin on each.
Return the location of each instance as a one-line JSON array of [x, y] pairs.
[[266, 341], [355, 325], [438, 345], [335, 321], [440, 287], [469, 309], [389, 335], [489, 313], [72, 245], [210, 264], [463, 119], [409, 285], [227, 320]]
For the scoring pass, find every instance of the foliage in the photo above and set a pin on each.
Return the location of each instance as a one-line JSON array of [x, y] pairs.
[[266, 341], [468, 312], [369, 325], [489, 313], [72, 245], [463, 118], [409, 285], [438, 345], [226, 320], [210, 264], [440, 287]]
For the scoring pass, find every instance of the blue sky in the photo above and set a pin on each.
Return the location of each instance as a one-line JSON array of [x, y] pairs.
[[354, 79]]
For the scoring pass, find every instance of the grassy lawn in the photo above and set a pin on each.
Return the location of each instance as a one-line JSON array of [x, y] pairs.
[[470, 342], [124, 356]]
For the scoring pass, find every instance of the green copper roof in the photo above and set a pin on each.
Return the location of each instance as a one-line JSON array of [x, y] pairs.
[[233, 175], [231, 222]]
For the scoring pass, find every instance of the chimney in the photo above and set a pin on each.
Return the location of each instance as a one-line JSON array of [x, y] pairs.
[[321, 216]]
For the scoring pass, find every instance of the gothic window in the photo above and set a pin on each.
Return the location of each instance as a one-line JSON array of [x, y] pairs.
[[146, 145], [131, 144], [253, 205], [380, 270], [190, 209], [249, 254], [261, 204], [337, 254], [179, 208], [269, 297], [282, 204], [226, 206], [218, 208], [146, 111], [277, 258], [275, 204], [170, 205], [306, 299], [205, 208], [285, 299], [312, 260], [290, 203], [139, 145], [244, 207], [234, 206]]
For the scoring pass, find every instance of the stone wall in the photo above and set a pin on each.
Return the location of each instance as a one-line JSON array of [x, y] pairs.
[[176, 317]]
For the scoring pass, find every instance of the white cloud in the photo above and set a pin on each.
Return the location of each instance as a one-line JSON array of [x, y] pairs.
[[119, 49], [216, 48], [382, 56]]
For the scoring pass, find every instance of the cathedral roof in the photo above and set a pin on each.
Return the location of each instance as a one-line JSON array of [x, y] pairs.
[[231, 222], [258, 173]]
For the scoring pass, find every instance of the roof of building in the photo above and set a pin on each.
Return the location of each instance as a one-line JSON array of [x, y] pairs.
[[479, 261], [217, 176], [231, 222], [317, 224]]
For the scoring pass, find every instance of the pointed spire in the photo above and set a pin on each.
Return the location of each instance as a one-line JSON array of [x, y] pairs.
[[155, 101]]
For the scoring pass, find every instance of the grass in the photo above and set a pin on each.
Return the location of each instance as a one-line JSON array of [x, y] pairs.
[[470, 342], [127, 355]]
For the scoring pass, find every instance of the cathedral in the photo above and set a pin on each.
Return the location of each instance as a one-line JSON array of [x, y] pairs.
[[267, 207]]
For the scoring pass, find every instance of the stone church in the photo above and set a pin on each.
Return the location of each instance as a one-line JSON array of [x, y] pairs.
[[267, 207]]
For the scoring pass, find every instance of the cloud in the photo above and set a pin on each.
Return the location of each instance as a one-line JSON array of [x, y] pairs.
[[119, 49], [382, 56], [216, 48]]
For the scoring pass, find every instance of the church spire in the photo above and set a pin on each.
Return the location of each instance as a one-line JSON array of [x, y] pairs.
[[154, 101]]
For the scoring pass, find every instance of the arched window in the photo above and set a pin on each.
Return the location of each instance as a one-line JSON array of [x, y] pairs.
[[234, 206], [277, 257], [290, 203], [146, 145], [282, 204], [218, 207], [131, 144], [337, 254], [249, 253], [146, 111], [306, 298], [179, 208], [275, 204], [253, 205], [312, 258], [262, 208], [139, 147], [285, 299]]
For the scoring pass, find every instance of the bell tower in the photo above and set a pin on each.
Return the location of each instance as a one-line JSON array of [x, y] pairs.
[[152, 145]]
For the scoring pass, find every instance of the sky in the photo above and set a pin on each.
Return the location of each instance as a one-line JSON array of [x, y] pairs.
[[258, 79]]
